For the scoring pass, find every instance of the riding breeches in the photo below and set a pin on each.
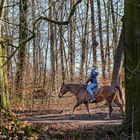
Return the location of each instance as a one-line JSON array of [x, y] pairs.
[[91, 88]]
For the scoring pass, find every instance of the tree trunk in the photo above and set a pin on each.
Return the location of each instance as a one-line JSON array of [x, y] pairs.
[[107, 49], [23, 34], [132, 65], [84, 43], [114, 27], [62, 45], [4, 95], [72, 43], [118, 61], [94, 42], [101, 38], [52, 49]]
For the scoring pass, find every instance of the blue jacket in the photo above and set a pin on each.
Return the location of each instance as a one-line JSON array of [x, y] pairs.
[[94, 76]]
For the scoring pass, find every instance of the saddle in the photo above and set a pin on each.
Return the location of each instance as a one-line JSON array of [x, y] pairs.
[[96, 91]]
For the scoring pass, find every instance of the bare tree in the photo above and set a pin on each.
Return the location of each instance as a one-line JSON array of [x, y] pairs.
[[132, 66], [62, 45], [118, 61], [52, 49], [84, 42], [23, 34], [107, 48], [94, 42], [72, 43], [4, 94], [101, 39]]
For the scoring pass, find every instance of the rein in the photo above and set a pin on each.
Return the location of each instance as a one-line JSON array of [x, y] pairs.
[[75, 89], [81, 87]]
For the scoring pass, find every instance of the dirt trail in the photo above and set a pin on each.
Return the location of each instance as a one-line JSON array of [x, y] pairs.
[[61, 122], [80, 118], [84, 122]]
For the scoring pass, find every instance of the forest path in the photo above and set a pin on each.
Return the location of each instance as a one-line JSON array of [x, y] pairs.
[[54, 122], [64, 121]]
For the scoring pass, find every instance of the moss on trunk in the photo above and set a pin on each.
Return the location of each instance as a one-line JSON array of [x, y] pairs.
[[132, 64], [4, 95]]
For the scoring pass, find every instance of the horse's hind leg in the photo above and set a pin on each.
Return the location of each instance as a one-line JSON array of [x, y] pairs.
[[87, 107], [110, 110], [76, 105], [120, 105]]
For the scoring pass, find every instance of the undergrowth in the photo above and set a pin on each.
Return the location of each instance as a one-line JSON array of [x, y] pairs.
[[109, 132], [13, 128]]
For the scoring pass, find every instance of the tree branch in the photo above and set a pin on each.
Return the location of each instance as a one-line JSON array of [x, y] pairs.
[[59, 22], [20, 45], [39, 20]]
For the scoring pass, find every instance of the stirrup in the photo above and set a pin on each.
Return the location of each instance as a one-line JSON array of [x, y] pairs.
[[93, 100]]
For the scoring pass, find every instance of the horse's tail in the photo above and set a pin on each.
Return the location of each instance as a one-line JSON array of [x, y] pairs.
[[120, 94]]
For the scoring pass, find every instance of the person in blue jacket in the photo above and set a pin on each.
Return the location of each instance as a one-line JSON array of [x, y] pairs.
[[93, 79]]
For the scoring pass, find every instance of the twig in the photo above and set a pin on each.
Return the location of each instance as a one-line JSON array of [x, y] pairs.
[[133, 71], [9, 6], [20, 45], [56, 21]]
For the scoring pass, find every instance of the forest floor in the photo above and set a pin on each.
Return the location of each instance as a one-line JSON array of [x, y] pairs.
[[57, 123], [56, 120]]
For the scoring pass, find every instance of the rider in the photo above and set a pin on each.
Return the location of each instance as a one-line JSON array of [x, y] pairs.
[[93, 83]]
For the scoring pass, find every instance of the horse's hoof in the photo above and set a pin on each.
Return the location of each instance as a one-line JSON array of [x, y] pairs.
[[122, 117], [73, 115], [107, 117], [90, 116]]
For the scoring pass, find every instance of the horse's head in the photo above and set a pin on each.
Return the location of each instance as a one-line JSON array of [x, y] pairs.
[[64, 89]]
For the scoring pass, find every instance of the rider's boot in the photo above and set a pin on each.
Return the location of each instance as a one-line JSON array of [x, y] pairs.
[[92, 99]]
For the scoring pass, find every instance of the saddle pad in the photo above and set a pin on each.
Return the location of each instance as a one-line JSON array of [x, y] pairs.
[[96, 91]]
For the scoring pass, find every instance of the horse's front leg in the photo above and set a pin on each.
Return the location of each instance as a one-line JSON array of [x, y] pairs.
[[76, 105], [87, 107]]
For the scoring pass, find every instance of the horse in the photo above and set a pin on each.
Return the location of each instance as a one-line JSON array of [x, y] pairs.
[[112, 94]]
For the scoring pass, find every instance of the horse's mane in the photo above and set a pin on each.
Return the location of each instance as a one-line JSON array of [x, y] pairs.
[[82, 86], [75, 85]]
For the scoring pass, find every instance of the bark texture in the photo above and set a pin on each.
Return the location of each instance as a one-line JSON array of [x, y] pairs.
[[132, 64]]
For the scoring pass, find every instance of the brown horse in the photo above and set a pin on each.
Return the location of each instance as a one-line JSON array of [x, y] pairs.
[[109, 93]]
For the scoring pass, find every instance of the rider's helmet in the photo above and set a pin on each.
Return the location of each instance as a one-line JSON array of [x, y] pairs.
[[94, 66]]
